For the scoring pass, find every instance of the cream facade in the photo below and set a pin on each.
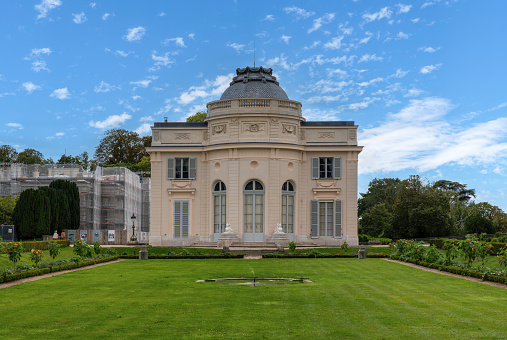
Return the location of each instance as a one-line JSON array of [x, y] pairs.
[[253, 164]]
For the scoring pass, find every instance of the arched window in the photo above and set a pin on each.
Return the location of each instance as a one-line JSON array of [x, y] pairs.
[[288, 199], [253, 212], [219, 207]]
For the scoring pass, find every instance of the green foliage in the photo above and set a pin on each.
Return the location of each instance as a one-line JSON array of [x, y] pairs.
[[80, 248], [30, 156], [292, 246], [23, 215], [73, 212], [36, 256], [198, 117], [8, 154], [42, 207], [120, 146], [7, 204], [344, 246], [54, 249], [14, 249], [97, 248], [475, 223], [376, 221]]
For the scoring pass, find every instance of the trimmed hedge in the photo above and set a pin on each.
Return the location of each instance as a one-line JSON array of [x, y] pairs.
[[457, 270], [195, 257], [38, 245], [320, 256], [42, 271]]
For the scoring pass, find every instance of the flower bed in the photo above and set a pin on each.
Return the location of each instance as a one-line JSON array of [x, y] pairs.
[[194, 257]]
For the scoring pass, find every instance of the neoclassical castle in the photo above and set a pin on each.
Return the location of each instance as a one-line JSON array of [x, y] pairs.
[[254, 163]]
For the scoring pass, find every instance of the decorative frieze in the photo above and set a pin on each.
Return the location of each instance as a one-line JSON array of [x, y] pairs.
[[256, 127], [352, 134], [218, 129], [326, 135], [181, 136], [289, 128]]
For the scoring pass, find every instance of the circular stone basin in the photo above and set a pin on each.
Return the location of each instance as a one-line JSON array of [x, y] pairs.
[[258, 281]]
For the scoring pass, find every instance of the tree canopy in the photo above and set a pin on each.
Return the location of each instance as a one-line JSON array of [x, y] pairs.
[[8, 154], [120, 146], [198, 117], [30, 156]]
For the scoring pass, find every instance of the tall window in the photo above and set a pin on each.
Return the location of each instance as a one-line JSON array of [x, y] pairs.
[[181, 168], [326, 218], [181, 218], [219, 207], [288, 195], [326, 167], [254, 207]]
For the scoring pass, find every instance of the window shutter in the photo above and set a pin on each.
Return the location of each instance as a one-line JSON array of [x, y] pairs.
[[192, 165], [171, 162], [315, 167], [314, 232], [337, 168], [177, 219], [184, 219], [338, 218]]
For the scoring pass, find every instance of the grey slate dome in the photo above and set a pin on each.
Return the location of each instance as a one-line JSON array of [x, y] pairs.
[[254, 82]]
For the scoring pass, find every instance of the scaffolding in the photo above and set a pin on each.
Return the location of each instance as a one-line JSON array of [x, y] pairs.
[[108, 196]]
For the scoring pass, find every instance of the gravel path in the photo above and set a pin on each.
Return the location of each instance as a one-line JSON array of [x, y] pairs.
[[489, 283], [38, 277]]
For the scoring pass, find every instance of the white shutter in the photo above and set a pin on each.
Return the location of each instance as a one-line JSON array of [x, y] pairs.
[[314, 219], [337, 167], [184, 219], [338, 218], [315, 167], [171, 162], [192, 166]]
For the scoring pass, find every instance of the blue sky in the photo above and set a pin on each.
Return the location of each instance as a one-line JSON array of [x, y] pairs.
[[424, 80]]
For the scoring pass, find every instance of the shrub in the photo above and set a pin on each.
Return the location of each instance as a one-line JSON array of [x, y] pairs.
[[97, 248], [432, 255], [36, 256], [344, 246], [292, 245], [54, 249], [14, 250]]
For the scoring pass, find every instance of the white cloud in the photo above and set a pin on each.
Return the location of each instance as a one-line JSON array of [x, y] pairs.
[[285, 39], [38, 51], [79, 18], [162, 14], [237, 47], [15, 125], [430, 68], [141, 83], [60, 134], [403, 8], [166, 108], [110, 122], [61, 94], [269, 17], [402, 35], [192, 36], [398, 74], [413, 92], [334, 44], [136, 97], [143, 130], [338, 72], [106, 16], [93, 4], [210, 88], [45, 6], [416, 20], [105, 87], [135, 34], [370, 57], [178, 40], [39, 65], [160, 60], [383, 13], [428, 49], [371, 82], [366, 39], [30, 87], [323, 20], [298, 12], [146, 119]]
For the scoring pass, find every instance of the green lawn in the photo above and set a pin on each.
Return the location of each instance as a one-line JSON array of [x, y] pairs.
[[350, 298], [65, 254]]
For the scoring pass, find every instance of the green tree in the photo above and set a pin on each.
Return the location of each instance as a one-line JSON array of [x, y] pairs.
[[492, 213], [382, 190], [30, 156], [42, 213], [475, 223], [120, 146], [23, 216], [376, 221], [7, 204], [59, 206], [198, 117], [144, 164], [419, 210], [458, 192], [71, 191], [8, 154], [64, 159]]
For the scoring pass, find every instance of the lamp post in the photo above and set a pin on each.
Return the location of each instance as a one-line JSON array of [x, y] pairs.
[[133, 238]]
